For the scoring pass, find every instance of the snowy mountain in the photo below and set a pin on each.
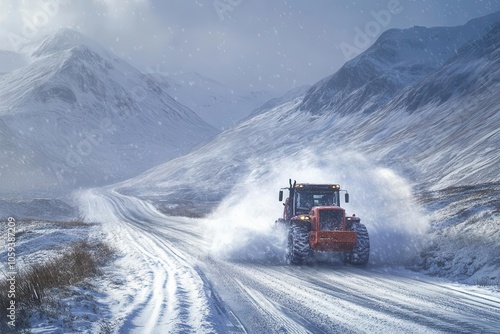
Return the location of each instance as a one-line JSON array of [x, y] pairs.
[[465, 74], [218, 104], [386, 134], [432, 128], [399, 58], [76, 115]]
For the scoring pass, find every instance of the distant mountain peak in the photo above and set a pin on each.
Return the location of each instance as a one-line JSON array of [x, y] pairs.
[[397, 59], [80, 116], [62, 40], [471, 72]]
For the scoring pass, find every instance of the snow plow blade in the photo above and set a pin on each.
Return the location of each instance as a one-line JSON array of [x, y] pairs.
[[333, 241]]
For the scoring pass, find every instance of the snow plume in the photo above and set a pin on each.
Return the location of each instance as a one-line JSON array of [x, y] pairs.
[[242, 227], [384, 202]]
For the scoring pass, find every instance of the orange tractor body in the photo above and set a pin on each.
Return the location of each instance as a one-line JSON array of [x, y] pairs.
[[315, 222]]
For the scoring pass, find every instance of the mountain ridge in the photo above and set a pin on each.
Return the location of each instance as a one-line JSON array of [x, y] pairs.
[[385, 67], [382, 136], [76, 116]]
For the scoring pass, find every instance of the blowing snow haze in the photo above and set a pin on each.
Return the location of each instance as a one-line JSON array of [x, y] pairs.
[[170, 126], [247, 45]]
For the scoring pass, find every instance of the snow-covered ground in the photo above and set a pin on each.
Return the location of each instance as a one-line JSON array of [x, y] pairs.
[[463, 241], [179, 282], [218, 275], [76, 308]]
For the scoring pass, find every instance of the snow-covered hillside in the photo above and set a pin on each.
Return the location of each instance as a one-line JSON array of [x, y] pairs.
[[449, 138], [76, 115], [399, 58], [463, 239], [421, 144], [218, 104]]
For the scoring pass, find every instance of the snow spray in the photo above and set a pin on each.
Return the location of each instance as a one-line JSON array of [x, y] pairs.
[[241, 228]]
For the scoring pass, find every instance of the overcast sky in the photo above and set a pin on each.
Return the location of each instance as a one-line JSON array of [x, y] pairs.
[[254, 44]]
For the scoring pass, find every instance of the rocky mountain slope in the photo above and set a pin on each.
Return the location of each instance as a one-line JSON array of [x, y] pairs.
[[398, 59]]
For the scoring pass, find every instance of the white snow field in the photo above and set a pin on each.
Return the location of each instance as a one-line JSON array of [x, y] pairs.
[[178, 284]]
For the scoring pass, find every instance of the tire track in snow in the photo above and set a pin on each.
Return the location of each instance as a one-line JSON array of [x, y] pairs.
[[158, 285], [203, 294], [173, 296], [374, 302], [423, 301], [256, 306], [276, 313]]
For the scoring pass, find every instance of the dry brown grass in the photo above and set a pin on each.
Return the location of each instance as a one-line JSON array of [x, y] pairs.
[[33, 285]]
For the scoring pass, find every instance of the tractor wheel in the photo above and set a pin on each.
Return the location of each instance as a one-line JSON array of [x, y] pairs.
[[298, 248], [361, 252]]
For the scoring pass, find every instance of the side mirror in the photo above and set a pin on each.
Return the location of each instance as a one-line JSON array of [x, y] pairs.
[[281, 196], [347, 197]]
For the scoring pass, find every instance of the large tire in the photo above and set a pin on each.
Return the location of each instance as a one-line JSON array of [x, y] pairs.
[[298, 249], [360, 254]]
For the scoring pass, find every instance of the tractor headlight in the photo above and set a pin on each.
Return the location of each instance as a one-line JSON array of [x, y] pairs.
[[304, 218]]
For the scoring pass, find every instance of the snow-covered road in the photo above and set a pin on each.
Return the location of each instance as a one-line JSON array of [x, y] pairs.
[[178, 287]]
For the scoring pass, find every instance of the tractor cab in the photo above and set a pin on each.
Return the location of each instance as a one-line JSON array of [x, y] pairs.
[[304, 196]]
